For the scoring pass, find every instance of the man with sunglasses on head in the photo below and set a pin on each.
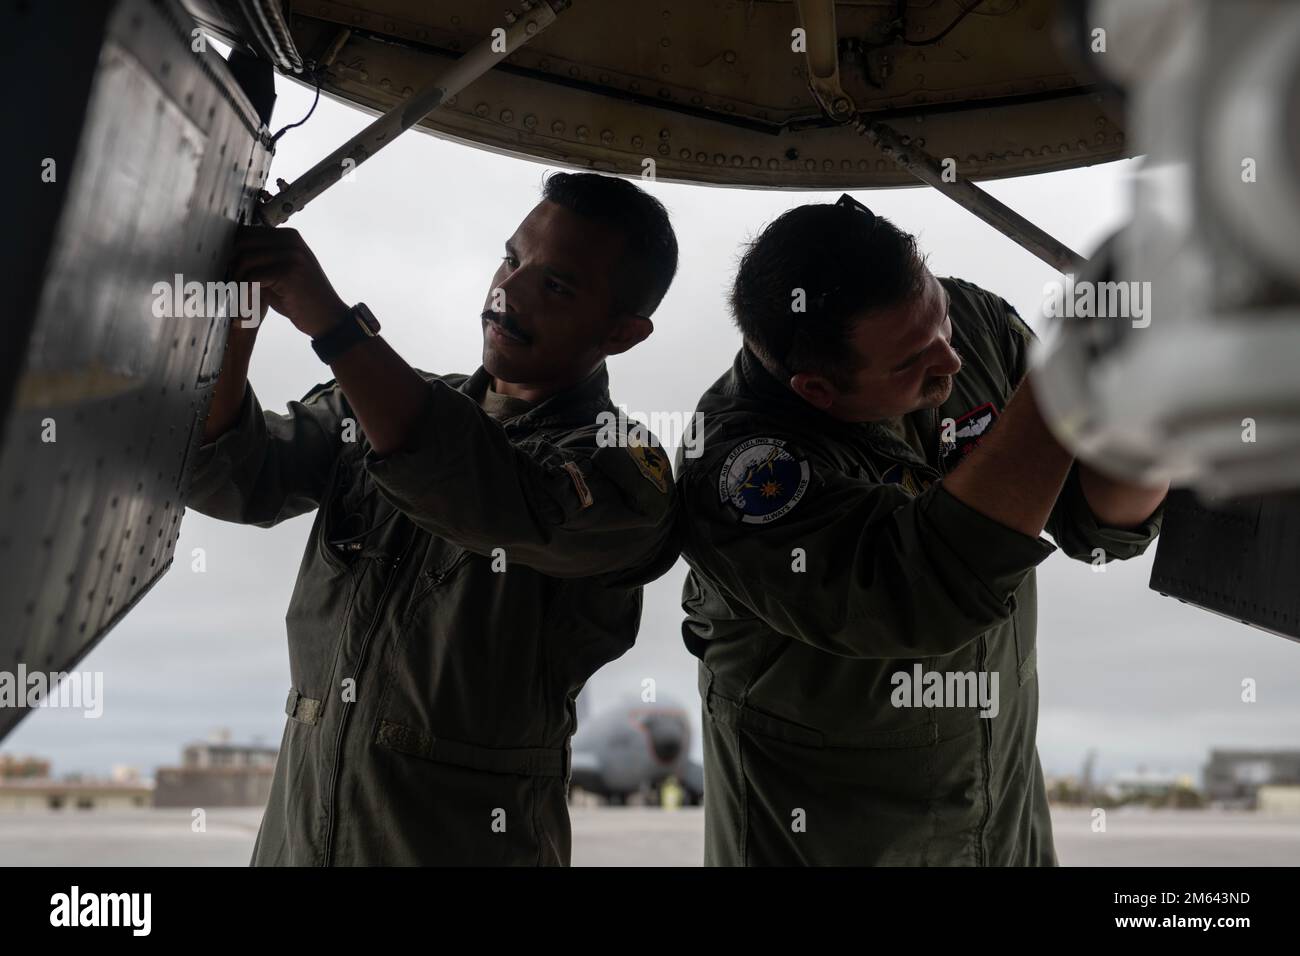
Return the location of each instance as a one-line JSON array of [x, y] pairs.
[[478, 550], [862, 531]]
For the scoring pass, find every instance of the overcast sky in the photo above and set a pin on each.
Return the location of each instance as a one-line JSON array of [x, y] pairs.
[[417, 236]]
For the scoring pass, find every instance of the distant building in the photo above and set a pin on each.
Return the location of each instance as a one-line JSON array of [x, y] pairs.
[[1145, 783], [217, 774], [1284, 798], [1153, 788], [37, 794], [26, 786], [18, 768], [1235, 777], [1063, 789]]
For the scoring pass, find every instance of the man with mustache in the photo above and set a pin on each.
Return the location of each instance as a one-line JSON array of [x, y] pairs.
[[866, 519], [477, 552]]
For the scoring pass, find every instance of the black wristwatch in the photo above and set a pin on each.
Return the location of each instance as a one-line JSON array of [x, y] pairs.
[[357, 325]]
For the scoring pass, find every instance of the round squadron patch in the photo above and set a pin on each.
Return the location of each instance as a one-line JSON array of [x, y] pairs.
[[762, 480]]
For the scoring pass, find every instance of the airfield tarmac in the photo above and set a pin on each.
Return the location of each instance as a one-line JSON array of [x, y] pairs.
[[638, 836]]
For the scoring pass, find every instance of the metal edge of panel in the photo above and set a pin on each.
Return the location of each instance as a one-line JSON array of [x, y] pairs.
[[885, 173]]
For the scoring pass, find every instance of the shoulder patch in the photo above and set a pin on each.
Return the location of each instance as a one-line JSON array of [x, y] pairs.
[[762, 480], [653, 464], [1017, 323]]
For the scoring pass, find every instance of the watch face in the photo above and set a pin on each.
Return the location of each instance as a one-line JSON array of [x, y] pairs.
[[366, 319]]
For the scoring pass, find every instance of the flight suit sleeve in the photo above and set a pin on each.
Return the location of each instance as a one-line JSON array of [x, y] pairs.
[[859, 568], [269, 467], [1074, 527], [1072, 524], [567, 512]]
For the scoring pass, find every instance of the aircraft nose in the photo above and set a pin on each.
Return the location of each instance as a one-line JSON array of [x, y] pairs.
[[666, 737]]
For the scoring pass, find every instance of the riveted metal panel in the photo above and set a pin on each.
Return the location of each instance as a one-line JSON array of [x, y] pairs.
[[107, 406], [1240, 558], [714, 92]]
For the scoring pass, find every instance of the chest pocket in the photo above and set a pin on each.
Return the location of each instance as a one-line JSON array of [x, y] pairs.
[[442, 559], [353, 513]]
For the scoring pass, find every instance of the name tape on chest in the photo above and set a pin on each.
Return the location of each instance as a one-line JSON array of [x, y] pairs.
[[969, 431]]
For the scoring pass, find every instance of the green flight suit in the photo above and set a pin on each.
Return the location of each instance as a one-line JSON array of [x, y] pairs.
[[828, 557], [453, 599]]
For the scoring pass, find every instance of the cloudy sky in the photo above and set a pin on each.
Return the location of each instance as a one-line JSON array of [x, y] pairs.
[[417, 235]]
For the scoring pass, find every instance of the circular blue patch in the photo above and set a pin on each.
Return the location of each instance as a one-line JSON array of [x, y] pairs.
[[762, 480]]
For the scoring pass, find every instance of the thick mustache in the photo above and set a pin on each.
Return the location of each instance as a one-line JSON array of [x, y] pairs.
[[507, 323], [938, 385]]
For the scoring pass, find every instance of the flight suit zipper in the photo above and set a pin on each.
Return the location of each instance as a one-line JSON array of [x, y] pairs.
[[898, 452], [987, 755], [347, 704], [934, 440]]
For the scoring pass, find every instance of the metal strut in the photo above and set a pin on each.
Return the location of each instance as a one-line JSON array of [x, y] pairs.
[[534, 18], [965, 193], [822, 55]]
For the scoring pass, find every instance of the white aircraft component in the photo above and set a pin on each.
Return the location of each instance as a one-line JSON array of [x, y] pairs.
[[1183, 367]]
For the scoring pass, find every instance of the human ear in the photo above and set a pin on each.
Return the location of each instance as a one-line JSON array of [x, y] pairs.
[[626, 331], [814, 389]]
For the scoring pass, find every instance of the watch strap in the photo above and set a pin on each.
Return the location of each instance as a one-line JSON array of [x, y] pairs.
[[357, 325]]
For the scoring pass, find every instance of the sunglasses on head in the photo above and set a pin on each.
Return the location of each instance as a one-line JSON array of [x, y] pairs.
[[817, 305]]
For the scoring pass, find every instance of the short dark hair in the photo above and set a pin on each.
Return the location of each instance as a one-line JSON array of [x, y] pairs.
[[845, 261], [650, 255]]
